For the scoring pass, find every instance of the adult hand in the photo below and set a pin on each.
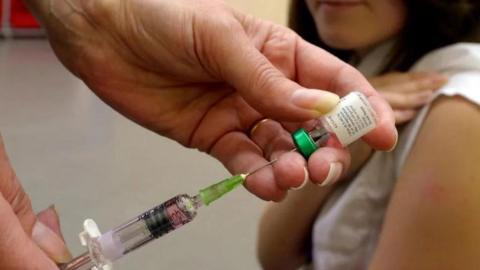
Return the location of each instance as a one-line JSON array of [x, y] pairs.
[[407, 92], [202, 74], [27, 241]]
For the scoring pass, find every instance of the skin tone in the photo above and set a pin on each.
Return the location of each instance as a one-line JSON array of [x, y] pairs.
[[354, 25], [407, 92], [25, 234], [431, 221], [201, 80], [204, 94]]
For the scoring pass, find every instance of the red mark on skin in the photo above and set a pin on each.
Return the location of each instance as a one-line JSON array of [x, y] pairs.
[[431, 189], [434, 191]]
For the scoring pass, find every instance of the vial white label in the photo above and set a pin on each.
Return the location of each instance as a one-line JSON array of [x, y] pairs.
[[352, 118]]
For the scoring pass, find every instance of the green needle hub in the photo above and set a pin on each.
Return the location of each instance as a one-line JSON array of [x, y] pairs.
[[304, 143], [215, 191]]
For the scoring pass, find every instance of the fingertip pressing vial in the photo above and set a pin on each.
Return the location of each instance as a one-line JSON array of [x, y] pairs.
[[352, 118]]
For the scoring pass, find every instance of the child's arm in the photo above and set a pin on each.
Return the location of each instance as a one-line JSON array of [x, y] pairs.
[[285, 228], [433, 219]]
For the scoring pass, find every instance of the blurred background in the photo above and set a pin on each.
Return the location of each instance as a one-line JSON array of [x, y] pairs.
[[71, 150]]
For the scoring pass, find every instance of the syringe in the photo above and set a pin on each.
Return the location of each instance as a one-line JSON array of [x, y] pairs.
[[103, 249], [352, 118]]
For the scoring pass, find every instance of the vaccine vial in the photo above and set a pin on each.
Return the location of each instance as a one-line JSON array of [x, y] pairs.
[[352, 118]]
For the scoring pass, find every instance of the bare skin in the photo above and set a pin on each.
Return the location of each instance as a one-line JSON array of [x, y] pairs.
[[27, 241], [442, 232], [416, 235], [432, 220], [406, 93], [226, 72], [198, 79]]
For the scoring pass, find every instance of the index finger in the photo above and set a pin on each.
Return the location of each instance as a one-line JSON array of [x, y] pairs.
[[239, 154]]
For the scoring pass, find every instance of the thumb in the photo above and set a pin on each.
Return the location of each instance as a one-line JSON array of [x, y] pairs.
[[17, 250], [47, 235], [19, 225], [264, 86]]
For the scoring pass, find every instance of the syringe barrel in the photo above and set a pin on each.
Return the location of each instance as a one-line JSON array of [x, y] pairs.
[[139, 231]]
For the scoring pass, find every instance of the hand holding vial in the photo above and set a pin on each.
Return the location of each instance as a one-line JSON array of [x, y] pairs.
[[351, 119], [173, 79]]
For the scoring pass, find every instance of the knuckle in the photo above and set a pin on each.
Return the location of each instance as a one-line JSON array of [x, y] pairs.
[[261, 79], [281, 35], [415, 99], [425, 83], [419, 85], [21, 203], [224, 22], [99, 10], [345, 77], [279, 48]]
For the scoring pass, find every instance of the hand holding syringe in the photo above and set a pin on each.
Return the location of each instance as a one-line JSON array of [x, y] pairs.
[[352, 118]]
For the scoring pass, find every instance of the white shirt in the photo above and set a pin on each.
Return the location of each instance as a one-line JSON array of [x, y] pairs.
[[347, 229]]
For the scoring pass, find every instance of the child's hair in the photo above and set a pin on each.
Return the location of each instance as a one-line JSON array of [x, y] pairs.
[[430, 24]]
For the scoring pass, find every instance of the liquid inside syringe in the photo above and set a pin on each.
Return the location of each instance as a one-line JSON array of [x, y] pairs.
[[108, 247]]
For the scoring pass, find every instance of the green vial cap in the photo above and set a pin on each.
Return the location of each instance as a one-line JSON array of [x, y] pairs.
[[215, 191], [304, 143]]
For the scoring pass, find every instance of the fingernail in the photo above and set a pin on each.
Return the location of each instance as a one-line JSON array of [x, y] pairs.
[[333, 174], [396, 141], [50, 243], [319, 102], [49, 217], [305, 180]]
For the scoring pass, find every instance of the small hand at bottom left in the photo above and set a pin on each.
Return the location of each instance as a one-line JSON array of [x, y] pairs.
[[27, 240]]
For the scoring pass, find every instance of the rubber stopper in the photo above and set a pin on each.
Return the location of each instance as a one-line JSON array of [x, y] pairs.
[[304, 143]]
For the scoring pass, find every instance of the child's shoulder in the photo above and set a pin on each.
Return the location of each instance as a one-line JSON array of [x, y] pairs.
[[452, 59], [461, 62]]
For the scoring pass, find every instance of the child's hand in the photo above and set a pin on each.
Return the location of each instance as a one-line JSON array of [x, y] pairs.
[[407, 92]]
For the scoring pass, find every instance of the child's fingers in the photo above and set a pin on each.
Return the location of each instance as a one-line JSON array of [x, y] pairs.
[[405, 101], [403, 116], [399, 78], [388, 79], [418, 85]]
